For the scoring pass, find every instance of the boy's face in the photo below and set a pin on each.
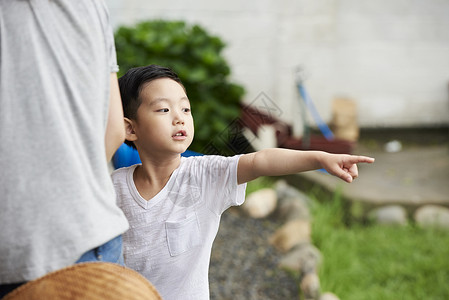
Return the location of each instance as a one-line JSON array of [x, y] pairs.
[[164, 123]]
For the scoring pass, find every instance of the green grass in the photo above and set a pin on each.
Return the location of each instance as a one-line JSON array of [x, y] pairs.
[[259, 183], [379, 262], [374, 262]]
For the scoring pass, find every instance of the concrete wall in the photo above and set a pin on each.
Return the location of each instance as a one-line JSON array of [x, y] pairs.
[[390, 56]]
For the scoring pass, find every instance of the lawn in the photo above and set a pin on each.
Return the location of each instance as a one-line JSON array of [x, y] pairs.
[[371, 261], [378, 262]]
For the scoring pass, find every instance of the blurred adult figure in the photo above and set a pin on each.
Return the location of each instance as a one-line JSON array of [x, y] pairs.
[[60, 122]]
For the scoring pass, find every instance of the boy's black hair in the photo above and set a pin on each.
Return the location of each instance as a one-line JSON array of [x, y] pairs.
[[132, 83]]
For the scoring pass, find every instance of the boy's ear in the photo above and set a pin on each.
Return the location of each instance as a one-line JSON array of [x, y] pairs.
[[129, 129]]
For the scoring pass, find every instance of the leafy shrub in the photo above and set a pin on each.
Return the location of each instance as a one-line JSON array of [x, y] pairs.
[[195, 56]]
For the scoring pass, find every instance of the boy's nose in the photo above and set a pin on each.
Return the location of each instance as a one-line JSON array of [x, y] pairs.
[[178, 119]]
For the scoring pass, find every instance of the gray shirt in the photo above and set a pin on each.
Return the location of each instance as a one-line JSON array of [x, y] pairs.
[[56, 197]]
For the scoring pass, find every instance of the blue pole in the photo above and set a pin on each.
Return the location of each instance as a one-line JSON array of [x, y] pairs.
[[325, 130]]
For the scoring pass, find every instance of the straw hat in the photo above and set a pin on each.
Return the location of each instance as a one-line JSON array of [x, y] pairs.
[[88, 281]]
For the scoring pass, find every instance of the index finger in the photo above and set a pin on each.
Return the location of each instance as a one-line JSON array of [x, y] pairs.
[[355, 159]]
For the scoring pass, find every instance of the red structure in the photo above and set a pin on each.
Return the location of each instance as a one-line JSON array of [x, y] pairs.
[[253, 119]]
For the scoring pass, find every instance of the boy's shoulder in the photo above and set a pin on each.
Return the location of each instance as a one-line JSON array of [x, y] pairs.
[[208, 161], [200, 158], [122, 172]]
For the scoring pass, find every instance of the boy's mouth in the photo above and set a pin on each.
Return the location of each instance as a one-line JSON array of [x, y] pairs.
[[181, 133]]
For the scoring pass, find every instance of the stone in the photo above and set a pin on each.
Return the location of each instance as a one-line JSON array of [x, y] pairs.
[[292, 208], [310, 286], [432, 216], [304, 258], [284, 190], [328, 296], [290, 234], [390, 215], [260, 204], [292, 204], [393, 146]]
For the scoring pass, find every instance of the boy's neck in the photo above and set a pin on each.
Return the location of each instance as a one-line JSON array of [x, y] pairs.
[[151, 177]]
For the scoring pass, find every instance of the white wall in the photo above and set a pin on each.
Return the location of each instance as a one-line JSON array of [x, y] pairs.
[[390, 56]]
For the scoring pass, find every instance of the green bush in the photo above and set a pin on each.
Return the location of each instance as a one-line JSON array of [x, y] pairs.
[[195, 56]]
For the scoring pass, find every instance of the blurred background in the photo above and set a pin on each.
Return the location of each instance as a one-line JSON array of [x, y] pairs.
[[390, 57], [375, 72]]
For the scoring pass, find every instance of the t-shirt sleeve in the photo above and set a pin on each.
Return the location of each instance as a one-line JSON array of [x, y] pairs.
[[221, 187]]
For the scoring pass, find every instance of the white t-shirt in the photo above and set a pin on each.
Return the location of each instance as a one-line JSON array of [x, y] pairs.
[[171, 235]]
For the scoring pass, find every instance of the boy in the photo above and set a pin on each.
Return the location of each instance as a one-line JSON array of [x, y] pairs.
[[174, 204]]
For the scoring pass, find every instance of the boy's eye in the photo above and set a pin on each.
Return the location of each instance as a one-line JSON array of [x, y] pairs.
[[186, 110], [162, 110]]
